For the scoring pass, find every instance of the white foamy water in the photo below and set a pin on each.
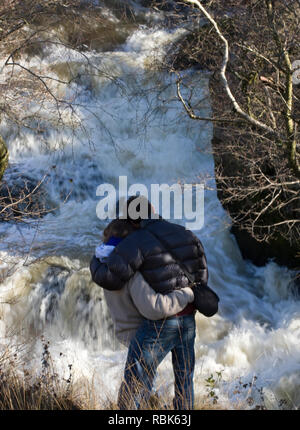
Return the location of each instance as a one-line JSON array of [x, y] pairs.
[[134, 126]]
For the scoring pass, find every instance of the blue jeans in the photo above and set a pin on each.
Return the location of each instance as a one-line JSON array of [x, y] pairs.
[[152, 342]]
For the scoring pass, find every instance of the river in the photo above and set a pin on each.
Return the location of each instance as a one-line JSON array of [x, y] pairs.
[[135, 126]]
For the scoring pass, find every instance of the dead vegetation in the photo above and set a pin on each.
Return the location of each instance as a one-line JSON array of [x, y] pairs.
[[250, 50]]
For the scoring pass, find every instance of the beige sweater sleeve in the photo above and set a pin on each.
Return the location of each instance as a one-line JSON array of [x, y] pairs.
[[155, 306]]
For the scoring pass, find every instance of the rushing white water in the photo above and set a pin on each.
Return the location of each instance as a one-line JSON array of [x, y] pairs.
[[134, 126]]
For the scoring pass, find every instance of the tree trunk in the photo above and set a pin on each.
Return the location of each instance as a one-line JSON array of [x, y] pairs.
[[3, 157]]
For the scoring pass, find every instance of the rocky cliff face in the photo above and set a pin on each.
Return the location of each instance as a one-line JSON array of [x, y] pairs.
[[251, 167], [228, 165]]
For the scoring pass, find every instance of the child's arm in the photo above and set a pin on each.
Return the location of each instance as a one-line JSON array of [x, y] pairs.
[[156, 306], [119, 267]]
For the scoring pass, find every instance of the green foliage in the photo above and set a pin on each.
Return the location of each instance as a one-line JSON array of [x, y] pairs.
[[211, 384]]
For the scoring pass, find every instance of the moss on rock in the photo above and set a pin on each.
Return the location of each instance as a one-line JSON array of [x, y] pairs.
[[3, 157]]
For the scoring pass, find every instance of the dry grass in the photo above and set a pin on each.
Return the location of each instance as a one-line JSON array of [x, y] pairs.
[[21, 389]]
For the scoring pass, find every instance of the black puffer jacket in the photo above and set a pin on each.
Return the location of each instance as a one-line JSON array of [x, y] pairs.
[[153, 250]]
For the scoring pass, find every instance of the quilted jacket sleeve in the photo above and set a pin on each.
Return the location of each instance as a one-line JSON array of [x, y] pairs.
[[119, 267], [156, 306]]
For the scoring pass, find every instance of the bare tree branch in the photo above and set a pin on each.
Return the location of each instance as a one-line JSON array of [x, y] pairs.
[[236, 105]]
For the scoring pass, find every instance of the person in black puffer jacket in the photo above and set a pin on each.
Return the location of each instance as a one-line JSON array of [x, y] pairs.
[[155, 249]]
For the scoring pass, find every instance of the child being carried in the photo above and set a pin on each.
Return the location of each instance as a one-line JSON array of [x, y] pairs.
[[136, 300], [113, 234]]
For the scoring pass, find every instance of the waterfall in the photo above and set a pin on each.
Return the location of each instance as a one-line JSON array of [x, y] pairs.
[[134, 126]]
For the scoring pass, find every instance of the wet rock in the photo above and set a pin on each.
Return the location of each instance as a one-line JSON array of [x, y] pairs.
[[260, 253], [100, 36]]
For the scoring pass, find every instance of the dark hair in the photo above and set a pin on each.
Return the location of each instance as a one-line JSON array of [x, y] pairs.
[[117, 228], [139, 199]]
